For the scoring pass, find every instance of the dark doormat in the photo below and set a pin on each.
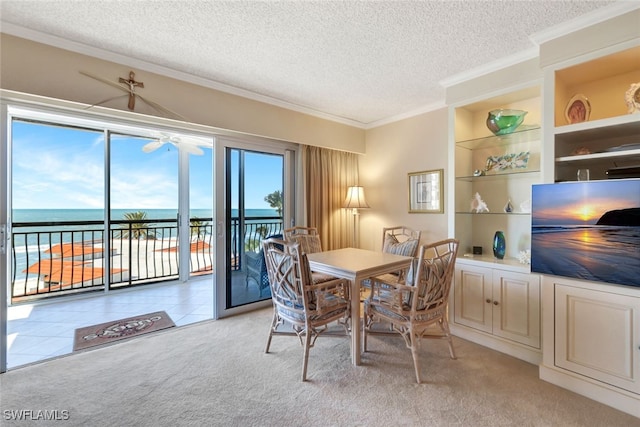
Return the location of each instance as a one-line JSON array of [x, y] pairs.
[[116, 330]]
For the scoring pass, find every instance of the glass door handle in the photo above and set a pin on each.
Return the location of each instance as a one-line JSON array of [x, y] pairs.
[[3, 239]]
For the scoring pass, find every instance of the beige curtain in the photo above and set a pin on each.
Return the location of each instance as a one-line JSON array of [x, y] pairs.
[[327, 175]]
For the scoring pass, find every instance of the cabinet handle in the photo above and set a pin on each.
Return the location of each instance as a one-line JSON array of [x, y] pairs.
[[496, 303], [488, 301]]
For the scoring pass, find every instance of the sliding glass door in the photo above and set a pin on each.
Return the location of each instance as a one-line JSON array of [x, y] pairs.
[[97, 207], [256, 204]]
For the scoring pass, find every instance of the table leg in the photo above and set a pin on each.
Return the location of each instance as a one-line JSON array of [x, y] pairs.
[[356, 342]]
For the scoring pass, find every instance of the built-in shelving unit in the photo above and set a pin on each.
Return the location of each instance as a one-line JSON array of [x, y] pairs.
[[475, 145], [579, 351], [610, 137], [496, 302]]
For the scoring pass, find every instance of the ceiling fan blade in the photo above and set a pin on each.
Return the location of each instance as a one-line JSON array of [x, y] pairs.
[[100, 79], [152, 146], [160, 108], [189, 148], [105, 101]]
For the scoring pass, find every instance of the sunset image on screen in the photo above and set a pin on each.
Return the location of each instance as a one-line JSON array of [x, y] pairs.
[[587, 230]]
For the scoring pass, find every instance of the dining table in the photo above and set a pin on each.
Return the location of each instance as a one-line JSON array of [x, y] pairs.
[[356, 265]]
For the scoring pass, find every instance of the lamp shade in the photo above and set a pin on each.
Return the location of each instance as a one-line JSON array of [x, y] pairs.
[[355, 198]]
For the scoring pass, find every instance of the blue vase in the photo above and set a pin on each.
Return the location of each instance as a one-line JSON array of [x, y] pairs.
[[499, 245]]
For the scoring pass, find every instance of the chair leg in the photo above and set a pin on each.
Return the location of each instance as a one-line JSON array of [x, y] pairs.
[[273, 325], [364, 332], [414, 353], [305, 360], [444, 325]]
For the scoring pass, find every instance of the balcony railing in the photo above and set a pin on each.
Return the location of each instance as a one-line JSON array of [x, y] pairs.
[[56, 258]]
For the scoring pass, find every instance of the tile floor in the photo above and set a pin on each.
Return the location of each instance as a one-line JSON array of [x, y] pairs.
[[44, 330]]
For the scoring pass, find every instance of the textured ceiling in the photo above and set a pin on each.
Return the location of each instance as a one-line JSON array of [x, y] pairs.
[[364, 61]]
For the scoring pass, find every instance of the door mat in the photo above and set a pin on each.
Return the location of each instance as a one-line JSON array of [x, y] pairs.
[[116, 330]]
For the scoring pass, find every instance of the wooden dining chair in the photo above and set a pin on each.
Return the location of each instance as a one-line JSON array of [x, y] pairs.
[[308, 238], [300, 307], [413, 304], [398, 240], [310, 243]]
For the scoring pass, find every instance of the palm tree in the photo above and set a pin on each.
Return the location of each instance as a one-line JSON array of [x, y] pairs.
[[275, 201], [136, 228], [198, 228]]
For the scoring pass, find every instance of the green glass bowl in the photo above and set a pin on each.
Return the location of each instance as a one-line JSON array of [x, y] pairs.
[[502, 122]]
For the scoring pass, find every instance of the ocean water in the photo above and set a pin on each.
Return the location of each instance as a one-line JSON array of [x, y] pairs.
[[55, 215], [598, 253]]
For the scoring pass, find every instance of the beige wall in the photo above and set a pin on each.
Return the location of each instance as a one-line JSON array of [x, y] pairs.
[[394, 150], [36, 68]]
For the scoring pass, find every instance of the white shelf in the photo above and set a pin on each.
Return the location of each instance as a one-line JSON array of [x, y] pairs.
[[596, 130], [526, 214], [488, 260], [612, 155]]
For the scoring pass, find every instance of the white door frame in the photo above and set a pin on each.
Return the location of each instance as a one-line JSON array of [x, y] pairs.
[[289, 152]]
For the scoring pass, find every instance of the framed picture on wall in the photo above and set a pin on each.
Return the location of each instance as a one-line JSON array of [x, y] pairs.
[[426, 191]]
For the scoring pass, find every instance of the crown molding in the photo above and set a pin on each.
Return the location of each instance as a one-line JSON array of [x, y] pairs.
[[81, 48], [594, 17], [490, 67], [422, 110]]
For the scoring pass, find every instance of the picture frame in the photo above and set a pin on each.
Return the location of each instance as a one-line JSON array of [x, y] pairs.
[[426, 191]]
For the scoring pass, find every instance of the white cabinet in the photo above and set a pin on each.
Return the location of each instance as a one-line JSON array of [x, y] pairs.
[[597, 334], [591, 330], [495, 303], [592, 340], [503, 305]]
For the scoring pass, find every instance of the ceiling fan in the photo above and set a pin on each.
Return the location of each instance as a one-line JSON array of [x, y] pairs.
[[189, 144]]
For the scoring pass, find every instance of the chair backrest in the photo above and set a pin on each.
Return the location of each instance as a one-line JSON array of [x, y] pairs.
[[307, 237], [400, 240], [264, 275], [289, 276], [434, 275]]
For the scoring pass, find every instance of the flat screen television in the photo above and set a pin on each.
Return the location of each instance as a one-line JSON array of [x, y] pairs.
[[587, 230]]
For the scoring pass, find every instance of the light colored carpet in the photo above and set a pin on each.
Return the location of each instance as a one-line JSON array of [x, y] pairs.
[[216, 373]]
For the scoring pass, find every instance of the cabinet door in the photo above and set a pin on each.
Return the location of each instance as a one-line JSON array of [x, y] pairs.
[[472, 297], [516, 307], [597, 334]]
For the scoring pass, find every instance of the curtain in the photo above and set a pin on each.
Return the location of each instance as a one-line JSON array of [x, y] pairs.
[[327, 175]]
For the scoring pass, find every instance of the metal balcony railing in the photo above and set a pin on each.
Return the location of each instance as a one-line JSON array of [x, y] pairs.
[[58, 258]]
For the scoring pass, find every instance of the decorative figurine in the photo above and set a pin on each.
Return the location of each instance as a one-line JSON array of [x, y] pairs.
[[478, 205], [632, 98]]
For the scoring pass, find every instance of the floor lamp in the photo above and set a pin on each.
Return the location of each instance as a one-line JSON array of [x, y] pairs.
[[355, 200]]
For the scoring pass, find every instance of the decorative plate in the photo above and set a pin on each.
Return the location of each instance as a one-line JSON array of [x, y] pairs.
[[578, 109]]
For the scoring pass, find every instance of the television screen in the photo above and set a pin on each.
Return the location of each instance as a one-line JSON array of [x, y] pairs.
[[588, 230]]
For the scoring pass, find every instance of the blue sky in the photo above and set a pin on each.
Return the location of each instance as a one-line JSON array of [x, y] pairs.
[[582, 203], [60, 167]]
